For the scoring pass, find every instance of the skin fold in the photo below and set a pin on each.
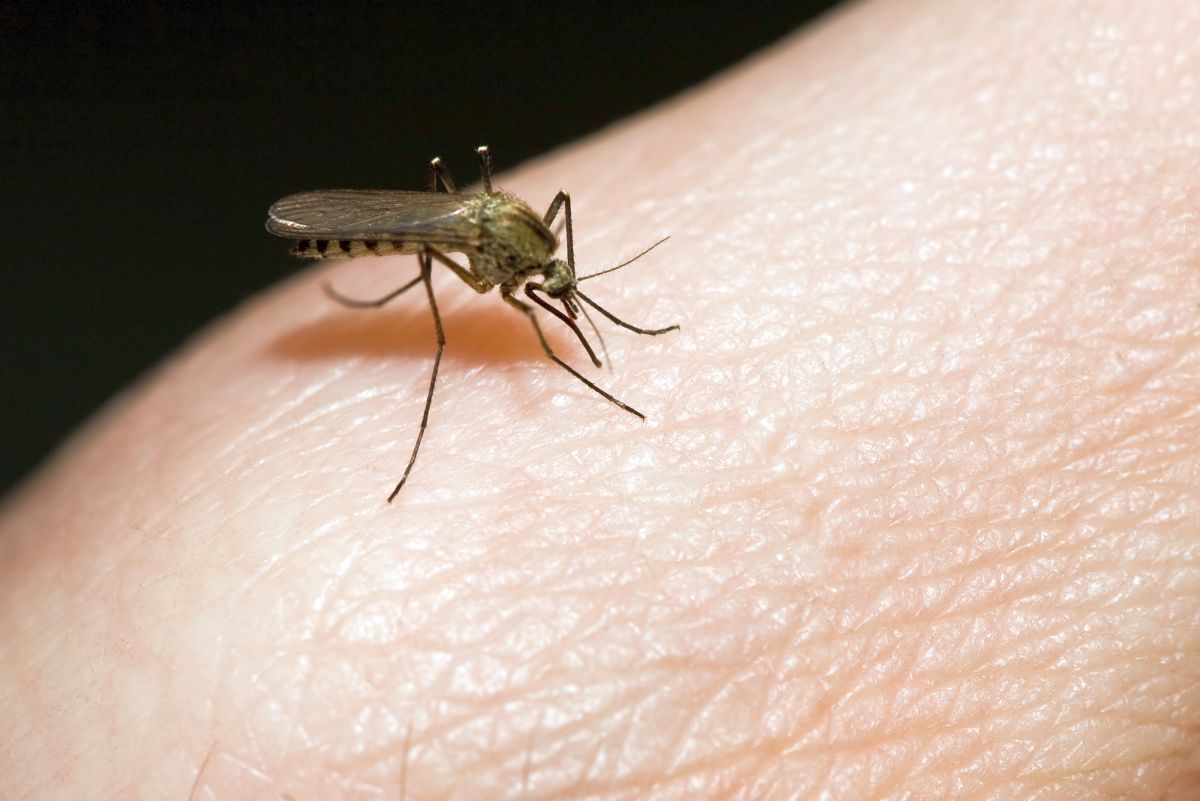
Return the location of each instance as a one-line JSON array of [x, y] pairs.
[[914, 514]]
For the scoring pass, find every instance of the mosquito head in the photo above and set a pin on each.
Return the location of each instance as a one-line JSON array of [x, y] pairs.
[[558, 280]]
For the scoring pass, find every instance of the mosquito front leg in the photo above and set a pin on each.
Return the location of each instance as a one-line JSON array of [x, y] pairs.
[[628, 326], [527, 310], [438, 170], [531, 290], [425, 278]]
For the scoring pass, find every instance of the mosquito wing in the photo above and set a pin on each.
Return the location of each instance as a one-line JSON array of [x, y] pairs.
[[435, 218]]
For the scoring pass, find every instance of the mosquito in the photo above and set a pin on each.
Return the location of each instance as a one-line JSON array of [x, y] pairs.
[[505, 242]]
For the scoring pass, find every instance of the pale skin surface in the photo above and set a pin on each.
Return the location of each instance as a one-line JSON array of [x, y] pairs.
[[914, 515]]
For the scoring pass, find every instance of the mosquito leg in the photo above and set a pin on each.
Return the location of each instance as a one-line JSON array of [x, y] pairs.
[[560, 200], [438, 170], [556, 204], [530, 290], [485, 167], [368, 304], [648, 331], [426, 276], [527, 310], [603, 347], [482, 287]]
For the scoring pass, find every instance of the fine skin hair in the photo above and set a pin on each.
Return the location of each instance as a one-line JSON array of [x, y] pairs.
[[913, 514]]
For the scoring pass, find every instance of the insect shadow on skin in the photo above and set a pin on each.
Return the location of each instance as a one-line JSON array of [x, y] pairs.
[[506, 243], [401, 330]]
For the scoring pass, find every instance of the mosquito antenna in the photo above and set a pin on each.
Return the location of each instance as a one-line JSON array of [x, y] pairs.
[[622, 323], [624, 263]]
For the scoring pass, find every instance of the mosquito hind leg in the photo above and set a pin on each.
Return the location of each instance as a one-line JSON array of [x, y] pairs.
[[425, 278], [438, 170], [368, 304], [561, 200], [527, 310], [485, 167]]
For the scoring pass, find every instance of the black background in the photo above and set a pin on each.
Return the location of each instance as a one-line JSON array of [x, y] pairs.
[[135, 143]]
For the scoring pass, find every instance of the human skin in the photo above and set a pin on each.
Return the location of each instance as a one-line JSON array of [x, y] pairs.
[[914, 513]]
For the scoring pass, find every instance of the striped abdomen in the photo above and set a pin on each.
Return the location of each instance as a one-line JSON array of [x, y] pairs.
[[347, 248]]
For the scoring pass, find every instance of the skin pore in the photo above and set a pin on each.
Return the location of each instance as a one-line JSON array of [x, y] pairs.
[[914, 513]]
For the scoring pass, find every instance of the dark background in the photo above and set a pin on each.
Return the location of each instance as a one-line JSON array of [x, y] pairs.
[[136, 143]]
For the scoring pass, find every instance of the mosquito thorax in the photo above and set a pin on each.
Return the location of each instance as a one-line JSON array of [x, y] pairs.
[[558, 280]]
